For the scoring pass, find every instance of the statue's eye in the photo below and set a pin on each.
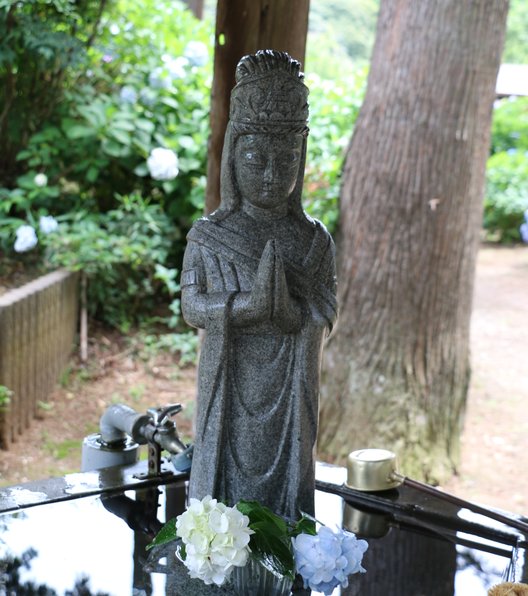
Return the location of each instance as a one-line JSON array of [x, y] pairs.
[[253, 158], [291, 157]]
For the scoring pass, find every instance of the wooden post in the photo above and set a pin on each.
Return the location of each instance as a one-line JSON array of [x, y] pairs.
[[243, 27]]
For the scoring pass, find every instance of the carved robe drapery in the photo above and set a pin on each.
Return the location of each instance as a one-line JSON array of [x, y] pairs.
[[257, 398]]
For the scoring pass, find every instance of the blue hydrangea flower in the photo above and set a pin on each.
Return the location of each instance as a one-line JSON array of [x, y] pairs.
[[196, 53], [524, 232], [524, 228], [177, 67], [128, 94], [326, 560], [158, 79], [26, 239]]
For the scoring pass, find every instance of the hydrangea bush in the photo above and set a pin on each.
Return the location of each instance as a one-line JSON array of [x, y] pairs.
[[506, 198], [129, 118]]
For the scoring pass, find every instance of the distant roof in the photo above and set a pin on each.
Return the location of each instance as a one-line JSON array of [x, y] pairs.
[[512, 80]]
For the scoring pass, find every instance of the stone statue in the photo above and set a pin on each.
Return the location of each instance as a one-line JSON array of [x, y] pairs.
[[259, 277]]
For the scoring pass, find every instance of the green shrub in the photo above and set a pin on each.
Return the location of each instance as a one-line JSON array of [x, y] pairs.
[[43, 45], [510, 125], [122, 252], [506, 195], [334, 107], [116, 84], [137, 92]]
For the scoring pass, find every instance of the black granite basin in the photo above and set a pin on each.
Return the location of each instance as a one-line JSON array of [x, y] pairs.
[[86, 534]]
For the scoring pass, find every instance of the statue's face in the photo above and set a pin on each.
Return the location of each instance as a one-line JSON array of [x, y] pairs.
[[266, 168]]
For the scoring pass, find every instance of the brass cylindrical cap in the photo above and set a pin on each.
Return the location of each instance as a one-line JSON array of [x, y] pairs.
[[372, 470]]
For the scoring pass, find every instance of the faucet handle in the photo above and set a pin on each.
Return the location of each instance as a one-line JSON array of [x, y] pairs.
[[160, 416]]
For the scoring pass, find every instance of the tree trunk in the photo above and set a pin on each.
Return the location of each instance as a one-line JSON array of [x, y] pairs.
[[396, 371], [243, 27], [196, 7]]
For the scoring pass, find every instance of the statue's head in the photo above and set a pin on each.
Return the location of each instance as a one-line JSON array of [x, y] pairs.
[[265, 143]]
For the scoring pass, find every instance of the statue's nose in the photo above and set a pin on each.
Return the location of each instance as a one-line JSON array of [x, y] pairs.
[[269, 171]]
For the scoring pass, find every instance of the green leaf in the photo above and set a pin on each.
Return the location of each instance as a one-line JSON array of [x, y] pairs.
[[120, 135], [165, 535], [123, 124], [114, 149], [141, 170], [306, 525], [187, 142], [145, 125], [172, 103], [78, 131], [92, 174], [271, 541]]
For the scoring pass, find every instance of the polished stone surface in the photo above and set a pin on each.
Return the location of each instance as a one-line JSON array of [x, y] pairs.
[[417, 545]]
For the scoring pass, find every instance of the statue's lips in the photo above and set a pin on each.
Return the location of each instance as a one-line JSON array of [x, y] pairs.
[[268, 189]]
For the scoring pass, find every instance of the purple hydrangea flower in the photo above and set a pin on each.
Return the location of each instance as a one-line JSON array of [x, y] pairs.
[[326, 560]]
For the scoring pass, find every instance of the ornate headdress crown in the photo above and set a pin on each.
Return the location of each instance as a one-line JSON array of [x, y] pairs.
[[269, 93]]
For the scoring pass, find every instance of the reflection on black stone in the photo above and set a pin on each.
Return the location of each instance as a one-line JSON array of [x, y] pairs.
[[404, 563], [134, 512], [470, 558], [11, 583]]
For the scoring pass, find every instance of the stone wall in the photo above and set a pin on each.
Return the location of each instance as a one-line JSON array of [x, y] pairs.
[[38, 323]]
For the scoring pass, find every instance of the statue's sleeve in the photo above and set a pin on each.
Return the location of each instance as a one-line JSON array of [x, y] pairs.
[[324, 296], [204, 304], [193, 283]]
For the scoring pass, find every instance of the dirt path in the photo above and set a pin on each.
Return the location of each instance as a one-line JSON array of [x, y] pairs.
[[494, 469]]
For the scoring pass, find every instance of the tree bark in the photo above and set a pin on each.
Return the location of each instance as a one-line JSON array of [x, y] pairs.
[[243, 27], [196, 7], [396, 371]]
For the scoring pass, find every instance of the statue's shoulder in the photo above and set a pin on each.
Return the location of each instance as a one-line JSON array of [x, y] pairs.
[[206, 225]]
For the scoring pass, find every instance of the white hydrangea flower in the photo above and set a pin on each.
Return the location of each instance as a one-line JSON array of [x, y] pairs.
[[26, 239], [216, 539], [163, 164], [196, 53], [48, 224], [326, 560], [40, 180]]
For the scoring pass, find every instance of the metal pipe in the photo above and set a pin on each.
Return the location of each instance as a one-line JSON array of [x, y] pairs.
[[120, 420]]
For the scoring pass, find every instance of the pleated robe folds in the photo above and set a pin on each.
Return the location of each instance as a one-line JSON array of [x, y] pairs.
[[257, 403]]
